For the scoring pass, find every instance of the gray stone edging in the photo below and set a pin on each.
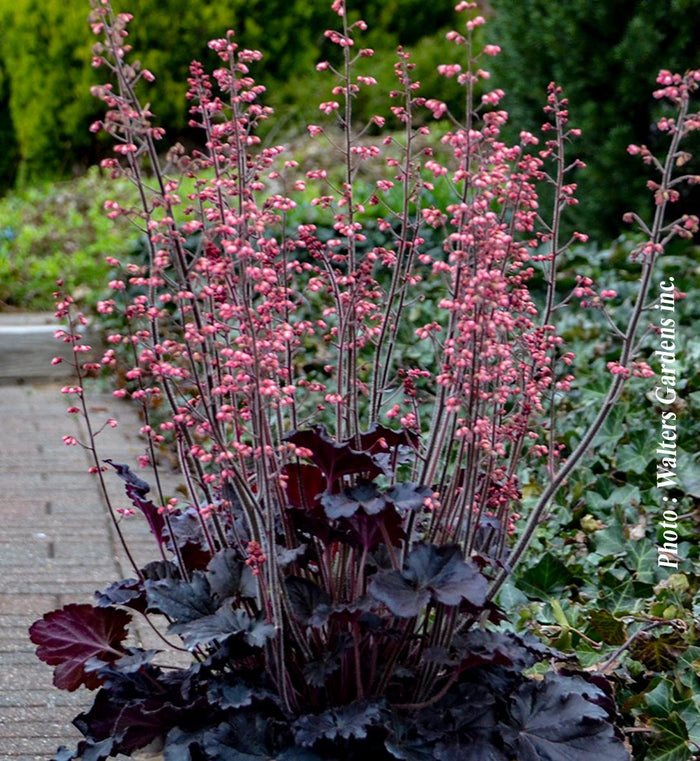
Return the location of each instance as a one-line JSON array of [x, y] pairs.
[[27, 346]]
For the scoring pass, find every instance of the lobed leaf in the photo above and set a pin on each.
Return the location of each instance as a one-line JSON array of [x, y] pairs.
[[429, 572], [548, 576], [181, 600], [408, 496], [310, 603], [347, 721], [229, 576], [127, 592], [364, 495], [550, 723], [334, 459], [70, 637], [221, 625]]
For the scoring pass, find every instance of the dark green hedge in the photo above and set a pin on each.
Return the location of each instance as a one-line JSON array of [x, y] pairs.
[[45, 72], [606, 55]]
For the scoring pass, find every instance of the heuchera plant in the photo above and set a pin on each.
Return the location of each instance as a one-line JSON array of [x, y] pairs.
[[351, 500]]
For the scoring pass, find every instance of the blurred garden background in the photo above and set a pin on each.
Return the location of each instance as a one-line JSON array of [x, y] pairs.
[[591, 585], [605, 55]]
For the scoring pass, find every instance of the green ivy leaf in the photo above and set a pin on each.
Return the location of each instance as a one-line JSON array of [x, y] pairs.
[[545, 578], [621, 593], [611, 541], [641, 560], [603, 626], [671, 743], [605, 496], [635, 456], [658, 653], [689, 668], [689, 473]]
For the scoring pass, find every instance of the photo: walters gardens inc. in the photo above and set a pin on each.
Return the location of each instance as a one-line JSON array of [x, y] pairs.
[[425, 509]]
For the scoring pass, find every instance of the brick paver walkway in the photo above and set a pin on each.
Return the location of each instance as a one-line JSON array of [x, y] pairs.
[[56, 546]]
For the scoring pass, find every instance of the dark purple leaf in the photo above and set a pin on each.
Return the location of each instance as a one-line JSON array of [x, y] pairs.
[[334, 459], [136, 490], [134, 660], [310, 603], [179, 742], [409, 749], [550, 723], [68, 638], [380, 438], [185, 532], [467, 749], [408, 496], [286, 556], [364, 495], [135, 711], [315, 523], [229, 576], [297, 754], [236, 695], [433, 572], [303, 484], [346, 722], [126, 474], [221, 625], [160, 569], [480, 647], [242, 737], [65, 754], [317, 672], [182, 601], [88, 751], [128, 592], [403, 599], [593, 687], [220, 743], [372, 530]]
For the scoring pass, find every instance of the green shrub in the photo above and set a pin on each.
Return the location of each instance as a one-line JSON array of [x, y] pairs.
[[606, 55], [45, 72]]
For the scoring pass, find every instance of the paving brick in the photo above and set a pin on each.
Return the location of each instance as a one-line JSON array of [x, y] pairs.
[[48, 699], [36, 745], [27, 730], [21, 603], [24, 676]]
